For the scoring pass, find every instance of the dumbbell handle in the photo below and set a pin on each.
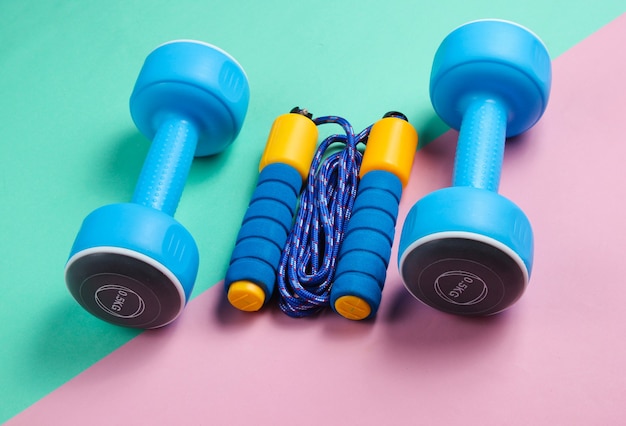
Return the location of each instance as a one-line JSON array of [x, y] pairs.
[[167, 165], [480, 147], [364, 255]]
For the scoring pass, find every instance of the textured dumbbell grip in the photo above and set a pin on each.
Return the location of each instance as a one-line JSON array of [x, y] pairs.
[[480, 147], [166, 167], [265, 227], [364, 254]]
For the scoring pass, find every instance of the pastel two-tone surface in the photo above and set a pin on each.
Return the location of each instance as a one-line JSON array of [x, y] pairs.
[[69, 146]]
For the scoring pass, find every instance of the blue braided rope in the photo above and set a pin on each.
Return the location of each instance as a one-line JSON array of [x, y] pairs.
[[307, 264]]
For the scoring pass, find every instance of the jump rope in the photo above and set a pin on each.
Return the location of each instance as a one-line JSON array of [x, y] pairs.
[[308, 261]]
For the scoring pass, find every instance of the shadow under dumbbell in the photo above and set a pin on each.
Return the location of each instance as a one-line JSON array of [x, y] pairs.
[[67, 332], [430, 130], [119, 163], [417, 327], [208, 169]]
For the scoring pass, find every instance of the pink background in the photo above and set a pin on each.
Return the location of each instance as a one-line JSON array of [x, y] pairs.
[[556, 357]]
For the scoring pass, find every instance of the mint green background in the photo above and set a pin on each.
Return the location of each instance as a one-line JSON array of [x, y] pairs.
[[68, 144]]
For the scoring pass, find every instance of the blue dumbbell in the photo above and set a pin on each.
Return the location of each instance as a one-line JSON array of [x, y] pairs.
[[133, 264], [466, 249]]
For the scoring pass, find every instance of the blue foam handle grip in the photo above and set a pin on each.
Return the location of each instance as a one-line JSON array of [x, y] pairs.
[[480, 149], [162, 178], [265, 228], [365, 251]]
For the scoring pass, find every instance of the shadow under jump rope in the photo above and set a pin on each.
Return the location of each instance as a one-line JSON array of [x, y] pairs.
[[336, 250]]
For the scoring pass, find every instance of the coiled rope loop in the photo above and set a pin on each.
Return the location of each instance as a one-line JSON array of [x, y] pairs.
[[308, 261]]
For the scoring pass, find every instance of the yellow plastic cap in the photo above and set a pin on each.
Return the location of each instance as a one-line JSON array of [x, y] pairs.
[[292, 140], [246, 296], [352, 307], [391, 147]]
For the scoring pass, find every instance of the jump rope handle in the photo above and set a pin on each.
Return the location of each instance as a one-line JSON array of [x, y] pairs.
[[364, 255], [251, 276]]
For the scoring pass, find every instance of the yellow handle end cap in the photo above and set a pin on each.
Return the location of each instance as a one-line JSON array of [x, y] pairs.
[[246, 296], [352, 307]]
